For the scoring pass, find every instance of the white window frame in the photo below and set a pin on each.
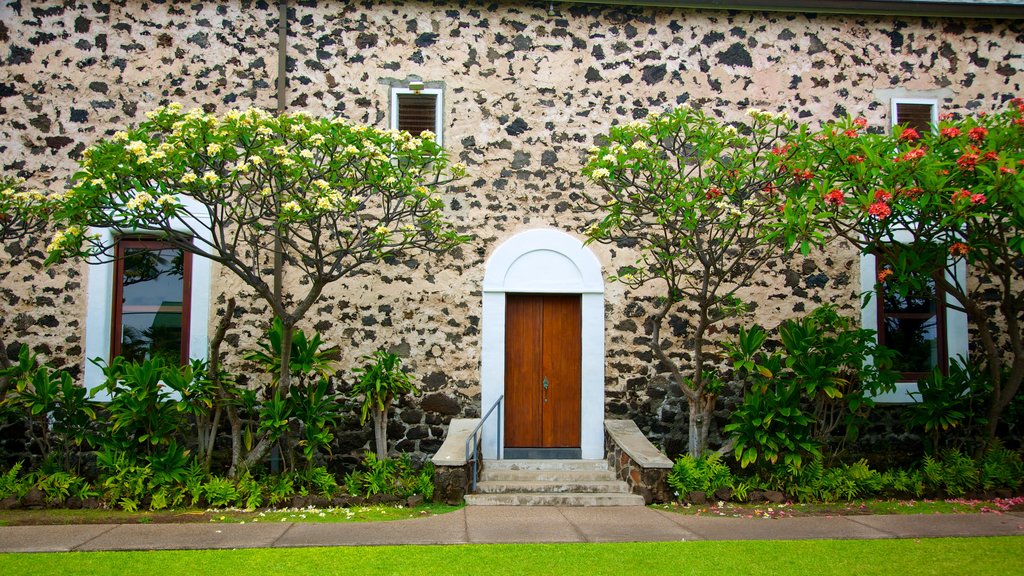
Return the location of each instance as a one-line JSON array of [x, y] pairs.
[[933, 102], [438, 109], [99, 313], [956, 320]]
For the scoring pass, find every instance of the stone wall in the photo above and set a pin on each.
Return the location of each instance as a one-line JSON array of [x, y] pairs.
[[525, 95]]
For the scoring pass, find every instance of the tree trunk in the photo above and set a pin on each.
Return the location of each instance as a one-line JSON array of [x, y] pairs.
[[284, 381], [5, 363], [701, 408], [380, 432]]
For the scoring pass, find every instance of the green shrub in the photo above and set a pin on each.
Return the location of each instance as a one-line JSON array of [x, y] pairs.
[[396, 477], [11, 485], [952, 472], [706, 475], [220, 492], [1001, 468]]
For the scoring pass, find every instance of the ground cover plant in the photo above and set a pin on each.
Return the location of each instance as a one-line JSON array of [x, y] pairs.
[[981, 556]]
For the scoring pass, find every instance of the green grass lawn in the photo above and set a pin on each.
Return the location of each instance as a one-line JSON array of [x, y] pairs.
[[970, 556]]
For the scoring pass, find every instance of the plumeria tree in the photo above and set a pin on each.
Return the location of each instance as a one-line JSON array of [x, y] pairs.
[[324, 197], [697, 199], [24, 213], [926, 203]]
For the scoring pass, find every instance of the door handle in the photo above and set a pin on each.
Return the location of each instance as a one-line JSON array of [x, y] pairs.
[[545, 383]]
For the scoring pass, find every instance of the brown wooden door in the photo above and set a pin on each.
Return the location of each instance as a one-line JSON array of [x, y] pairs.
[[542, 344]]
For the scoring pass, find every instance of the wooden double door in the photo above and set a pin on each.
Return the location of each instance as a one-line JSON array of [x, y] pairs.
[[543, 348]]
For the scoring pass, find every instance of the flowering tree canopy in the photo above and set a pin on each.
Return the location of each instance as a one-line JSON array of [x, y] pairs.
[[926, 203], [249, 189], [697, 199]]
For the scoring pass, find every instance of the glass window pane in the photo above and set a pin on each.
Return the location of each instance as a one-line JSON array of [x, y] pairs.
[[152, 311], [916, 341]]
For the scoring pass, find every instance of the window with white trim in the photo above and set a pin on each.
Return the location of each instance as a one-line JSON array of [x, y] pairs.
[[101, 328], [925, 329], [417, 110]]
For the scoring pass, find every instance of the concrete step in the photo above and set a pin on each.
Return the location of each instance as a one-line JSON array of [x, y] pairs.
[[536, 487], [492, 475], [578, 465], [572, 499]]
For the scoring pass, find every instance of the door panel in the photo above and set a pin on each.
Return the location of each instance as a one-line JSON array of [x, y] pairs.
[[542, 342]]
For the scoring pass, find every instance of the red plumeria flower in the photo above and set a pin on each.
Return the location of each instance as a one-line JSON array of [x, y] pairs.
[[804, 175], [835, 198], [1007, 170], [915, 154], [860, 122], [882, 196], [951, 132], [880, 210], [713, 193], [978, 133], [989, 156], [909, 134], [946, 116], [961, 194], [959, 249], [978, 199], [967, 162], [911, 192], [850, 133], [854, 159]]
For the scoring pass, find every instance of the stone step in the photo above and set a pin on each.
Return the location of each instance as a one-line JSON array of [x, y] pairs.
[[546, 465], [535, 487], [570, 499], [499, 475]]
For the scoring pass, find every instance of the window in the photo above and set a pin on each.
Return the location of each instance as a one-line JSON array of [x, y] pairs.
[[921, 114], [100, 282], [914, 325], [152, 294], [922, 327], [417, 110]]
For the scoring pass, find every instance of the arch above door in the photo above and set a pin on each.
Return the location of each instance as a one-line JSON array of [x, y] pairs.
[[545, 261]]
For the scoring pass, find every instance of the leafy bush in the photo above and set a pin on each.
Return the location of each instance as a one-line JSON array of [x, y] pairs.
[[952, 472], [220, 492], [11, 485], [799, 397], [1001, 468], [396, 477], [706, 474]]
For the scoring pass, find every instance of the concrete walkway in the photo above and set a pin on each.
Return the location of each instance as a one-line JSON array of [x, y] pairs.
[[500, 524]]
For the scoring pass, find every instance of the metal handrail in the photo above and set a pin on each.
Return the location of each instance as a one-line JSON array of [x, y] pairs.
[[476, 444]]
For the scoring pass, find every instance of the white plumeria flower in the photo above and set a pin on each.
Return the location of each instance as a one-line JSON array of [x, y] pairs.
[[188, 178]]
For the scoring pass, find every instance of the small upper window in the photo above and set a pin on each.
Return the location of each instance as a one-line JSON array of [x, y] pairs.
[[152, 288], [417, 110], [918, 113]]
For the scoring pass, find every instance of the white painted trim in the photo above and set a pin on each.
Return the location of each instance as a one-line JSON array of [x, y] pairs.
[[544, 261], [100, 302], [438, 109], [933, 102], [956, 321]]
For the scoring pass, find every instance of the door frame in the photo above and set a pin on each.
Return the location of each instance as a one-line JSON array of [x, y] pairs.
[[544, 261]]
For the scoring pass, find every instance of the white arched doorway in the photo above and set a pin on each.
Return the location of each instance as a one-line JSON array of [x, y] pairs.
[[545, 262]]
